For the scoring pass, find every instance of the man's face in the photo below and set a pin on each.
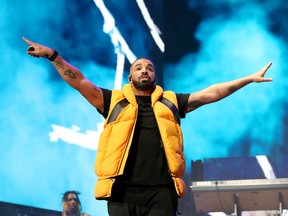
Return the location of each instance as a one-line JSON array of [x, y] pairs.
[[73, 205], [142, 75]]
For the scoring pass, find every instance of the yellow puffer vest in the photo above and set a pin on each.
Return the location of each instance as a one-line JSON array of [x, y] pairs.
[[116, 138]]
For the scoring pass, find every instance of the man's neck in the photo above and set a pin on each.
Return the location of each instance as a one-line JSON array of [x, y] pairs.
[[138, 92]]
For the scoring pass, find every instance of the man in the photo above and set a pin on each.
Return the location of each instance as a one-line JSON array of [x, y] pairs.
[[140, 155], [71, 205]]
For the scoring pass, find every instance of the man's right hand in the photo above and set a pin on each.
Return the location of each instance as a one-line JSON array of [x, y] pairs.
[[38, 50]]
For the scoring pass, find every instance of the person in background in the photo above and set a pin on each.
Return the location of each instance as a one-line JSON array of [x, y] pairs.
[[71, 205], [140, 158]]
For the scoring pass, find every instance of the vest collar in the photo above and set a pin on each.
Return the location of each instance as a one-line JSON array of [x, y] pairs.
[[130, 96]]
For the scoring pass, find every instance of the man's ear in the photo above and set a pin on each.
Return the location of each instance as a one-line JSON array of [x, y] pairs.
[[130, 78]]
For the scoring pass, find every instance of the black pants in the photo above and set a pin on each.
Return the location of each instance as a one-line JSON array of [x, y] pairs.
[[143, 201]]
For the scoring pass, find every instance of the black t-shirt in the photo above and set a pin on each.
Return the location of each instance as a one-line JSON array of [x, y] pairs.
[[146, 163]]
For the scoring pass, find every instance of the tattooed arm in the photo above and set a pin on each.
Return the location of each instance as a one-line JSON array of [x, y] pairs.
[[219, 91], [70, 74]]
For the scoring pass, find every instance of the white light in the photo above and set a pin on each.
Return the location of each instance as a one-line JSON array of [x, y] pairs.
[[72, 135], [154, 30], [266, 166], [110, 28]]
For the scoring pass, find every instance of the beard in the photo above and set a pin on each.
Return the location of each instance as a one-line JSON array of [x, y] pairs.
[[145, 85]]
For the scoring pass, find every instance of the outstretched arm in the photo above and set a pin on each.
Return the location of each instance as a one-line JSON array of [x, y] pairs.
[[219, 91], [69, 73]]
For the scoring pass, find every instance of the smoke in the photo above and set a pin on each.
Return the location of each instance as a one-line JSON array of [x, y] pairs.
[[33, 96], [235, 41]]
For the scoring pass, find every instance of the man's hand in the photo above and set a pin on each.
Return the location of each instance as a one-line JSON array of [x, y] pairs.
[[259, 75], [38, 50]]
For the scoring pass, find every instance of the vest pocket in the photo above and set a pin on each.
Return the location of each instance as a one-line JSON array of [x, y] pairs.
[[179, 186], [103, 188]]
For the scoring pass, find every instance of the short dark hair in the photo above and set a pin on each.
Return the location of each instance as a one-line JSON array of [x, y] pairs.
[[137, 60]]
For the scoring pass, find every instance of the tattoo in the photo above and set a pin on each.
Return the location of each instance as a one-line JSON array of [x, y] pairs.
[[97, 89], [58, 64], [70, 73]]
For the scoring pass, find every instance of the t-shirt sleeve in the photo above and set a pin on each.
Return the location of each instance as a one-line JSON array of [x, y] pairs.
[[182, 103], [107, 100]]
